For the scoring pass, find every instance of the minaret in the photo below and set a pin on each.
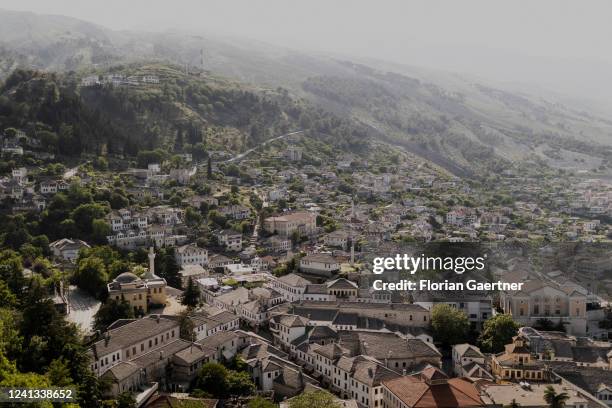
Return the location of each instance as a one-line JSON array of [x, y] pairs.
[[151, 272]]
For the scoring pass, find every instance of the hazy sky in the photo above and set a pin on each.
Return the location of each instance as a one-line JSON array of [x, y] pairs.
[[559, 28], [561, 46]]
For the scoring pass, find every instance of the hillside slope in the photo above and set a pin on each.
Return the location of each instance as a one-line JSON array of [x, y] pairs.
[[182, 113], [459, 123]]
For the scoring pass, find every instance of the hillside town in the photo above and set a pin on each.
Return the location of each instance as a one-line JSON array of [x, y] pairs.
[[263, 265]]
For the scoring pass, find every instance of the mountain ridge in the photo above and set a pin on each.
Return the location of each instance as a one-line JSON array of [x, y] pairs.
[[467, 126]]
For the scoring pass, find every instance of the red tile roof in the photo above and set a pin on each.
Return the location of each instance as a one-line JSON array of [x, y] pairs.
[[416, 392]]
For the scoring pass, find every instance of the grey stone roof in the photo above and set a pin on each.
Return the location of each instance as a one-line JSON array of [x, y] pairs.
[[587, 378], [378, 345], [192, 354], [132, 333]]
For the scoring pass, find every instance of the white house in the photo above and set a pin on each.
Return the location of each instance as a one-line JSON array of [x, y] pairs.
[[231, 240], [67, 248], [319, 264], [191, 255]]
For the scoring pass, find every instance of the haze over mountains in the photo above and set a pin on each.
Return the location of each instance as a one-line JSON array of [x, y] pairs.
[[462, 123]]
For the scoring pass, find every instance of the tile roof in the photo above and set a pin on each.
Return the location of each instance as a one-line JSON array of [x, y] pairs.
[[415, 392], [293, 321], [131, 333], [294, 280], [381, 345], [217, 339], [468, 350]]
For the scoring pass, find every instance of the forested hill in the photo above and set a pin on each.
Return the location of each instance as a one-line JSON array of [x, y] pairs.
[[182, 113], [459, 122]]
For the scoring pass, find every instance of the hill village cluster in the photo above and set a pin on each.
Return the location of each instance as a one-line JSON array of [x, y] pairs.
[[317, 321]]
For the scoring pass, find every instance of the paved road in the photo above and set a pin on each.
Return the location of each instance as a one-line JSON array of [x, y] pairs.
[[83, 307], [247, 152]]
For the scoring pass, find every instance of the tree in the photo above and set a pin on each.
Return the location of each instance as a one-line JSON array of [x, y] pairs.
[[59, 373], [111, 311], [213, 378], [126, 400], [85, 214], [449, 325], [497, 332], [239, 383], [7, 298], [191, 295], [100, 230], [193, 218], [10, 338], [118, 201], [167, 268], [209, 168], [91, 276], [186, 327], [10, 377], [11, 271], [314, 399], [553, 399]]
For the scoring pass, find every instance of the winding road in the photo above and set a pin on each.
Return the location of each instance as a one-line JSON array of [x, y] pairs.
[[247, 152]]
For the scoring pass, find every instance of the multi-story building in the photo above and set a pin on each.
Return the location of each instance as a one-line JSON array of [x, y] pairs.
[[517, 363], [230, 239], [132, 340], [278, 244], [53, 186], [191, 255], [477, 307], [338, 239], [319, 264], [397, 314], [360, 378], [432, 389], [139, 293], [468, 361], [68, 249], [236, 212], [291, 286], [304, 223], [395, 352], [546, 300]]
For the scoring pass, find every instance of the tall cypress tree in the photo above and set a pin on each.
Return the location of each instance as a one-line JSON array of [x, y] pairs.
[[191, 295]]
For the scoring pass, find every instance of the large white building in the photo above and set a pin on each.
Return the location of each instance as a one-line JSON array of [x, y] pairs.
[[291, 286], [304, 223], [191, 255], [67, 249], [319, 264]]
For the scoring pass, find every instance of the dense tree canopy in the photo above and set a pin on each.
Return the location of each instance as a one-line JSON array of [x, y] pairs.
[[449, 325], [497, 332]]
